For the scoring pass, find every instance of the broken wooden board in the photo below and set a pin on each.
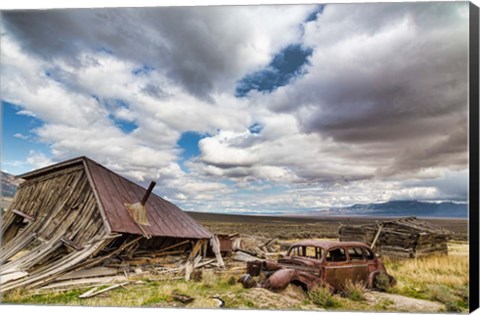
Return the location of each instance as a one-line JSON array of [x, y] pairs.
[[95, 291], [89, 273], [244, 257], [12, 276], [77, 282]]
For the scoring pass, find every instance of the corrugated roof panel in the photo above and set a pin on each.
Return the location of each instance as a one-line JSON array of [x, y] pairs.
[[108, 198], [165, 218]]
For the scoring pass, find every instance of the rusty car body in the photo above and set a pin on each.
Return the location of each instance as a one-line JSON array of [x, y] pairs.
[[313, 263]]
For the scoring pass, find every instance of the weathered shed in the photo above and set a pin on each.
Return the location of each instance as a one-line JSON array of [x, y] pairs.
[[76, 214], [404, 237]]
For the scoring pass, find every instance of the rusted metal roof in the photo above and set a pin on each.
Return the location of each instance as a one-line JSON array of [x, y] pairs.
[[114, 191]]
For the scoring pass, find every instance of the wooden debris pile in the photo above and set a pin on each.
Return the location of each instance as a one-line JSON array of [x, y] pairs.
[[246, 249], [403, 238]]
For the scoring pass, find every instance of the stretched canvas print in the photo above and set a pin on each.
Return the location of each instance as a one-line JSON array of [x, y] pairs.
[[319, 157]]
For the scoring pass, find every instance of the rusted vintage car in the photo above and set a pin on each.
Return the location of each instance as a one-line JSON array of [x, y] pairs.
[[313, 263]]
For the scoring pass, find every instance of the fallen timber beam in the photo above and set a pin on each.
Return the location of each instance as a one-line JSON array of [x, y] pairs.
[[173, 246], [71, 244], [83, 282], [59, 268], [139, 261], [95, 291], [89, 273], [95, 261], [12, 276], [24, 215]]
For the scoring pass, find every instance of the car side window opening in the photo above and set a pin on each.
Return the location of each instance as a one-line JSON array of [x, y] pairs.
[[356, 253], [296, 251], [307, 251], [368, 254], [337, 254]]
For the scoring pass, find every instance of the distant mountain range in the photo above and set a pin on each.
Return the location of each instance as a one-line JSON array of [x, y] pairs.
[[9, 185], [404, 208]]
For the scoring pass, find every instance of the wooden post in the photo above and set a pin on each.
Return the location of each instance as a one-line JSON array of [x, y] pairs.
[[215, 243], [190, 264], [204, 248], [377, 235]]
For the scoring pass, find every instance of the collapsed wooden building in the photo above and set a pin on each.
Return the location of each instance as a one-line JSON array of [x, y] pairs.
[[403, 238], [78, 214]]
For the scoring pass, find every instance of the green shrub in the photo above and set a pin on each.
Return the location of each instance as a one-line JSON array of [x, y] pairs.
[[445, 295], [232, 280], [354, 290], [453, 307], [381, 282], [322, 296]]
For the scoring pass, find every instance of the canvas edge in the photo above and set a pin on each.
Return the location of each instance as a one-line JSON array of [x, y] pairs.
[[474, 158]]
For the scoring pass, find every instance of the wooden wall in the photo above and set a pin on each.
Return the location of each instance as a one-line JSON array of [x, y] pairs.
[[59, 223]]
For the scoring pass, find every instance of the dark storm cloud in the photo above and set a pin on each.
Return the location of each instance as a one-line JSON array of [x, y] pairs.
[[67, 33], [155, 91], [452, 185], [393, 74], [198, 48]]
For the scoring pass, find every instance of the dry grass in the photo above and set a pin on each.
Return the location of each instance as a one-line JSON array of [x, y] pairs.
[[457, 248], [160, 294], [445, 270], [438, 278]]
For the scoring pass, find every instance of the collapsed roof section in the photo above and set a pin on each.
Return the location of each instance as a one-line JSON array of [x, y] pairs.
[[113, 192]]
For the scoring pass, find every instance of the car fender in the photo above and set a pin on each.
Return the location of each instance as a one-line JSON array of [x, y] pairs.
[[281, 279]]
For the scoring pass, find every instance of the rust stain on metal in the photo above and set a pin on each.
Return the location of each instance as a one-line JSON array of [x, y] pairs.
[[225, 243], [137, 210]]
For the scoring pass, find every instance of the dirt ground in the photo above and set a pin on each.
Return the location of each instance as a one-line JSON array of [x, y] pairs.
[[403, 303], [283, 227]]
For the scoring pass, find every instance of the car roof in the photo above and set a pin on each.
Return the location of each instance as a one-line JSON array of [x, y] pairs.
[[329, 244]]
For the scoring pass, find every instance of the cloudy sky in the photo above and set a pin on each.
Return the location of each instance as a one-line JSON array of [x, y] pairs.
[[246, 109]]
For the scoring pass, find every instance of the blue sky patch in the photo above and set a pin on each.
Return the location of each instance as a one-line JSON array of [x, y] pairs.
[[126, 126], [285, 66], [188, 142], [313, 15], [256, 128], [143, 70], [17, 139]]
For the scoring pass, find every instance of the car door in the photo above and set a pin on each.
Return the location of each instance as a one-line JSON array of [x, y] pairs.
[[358, 263], [337, 267]]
